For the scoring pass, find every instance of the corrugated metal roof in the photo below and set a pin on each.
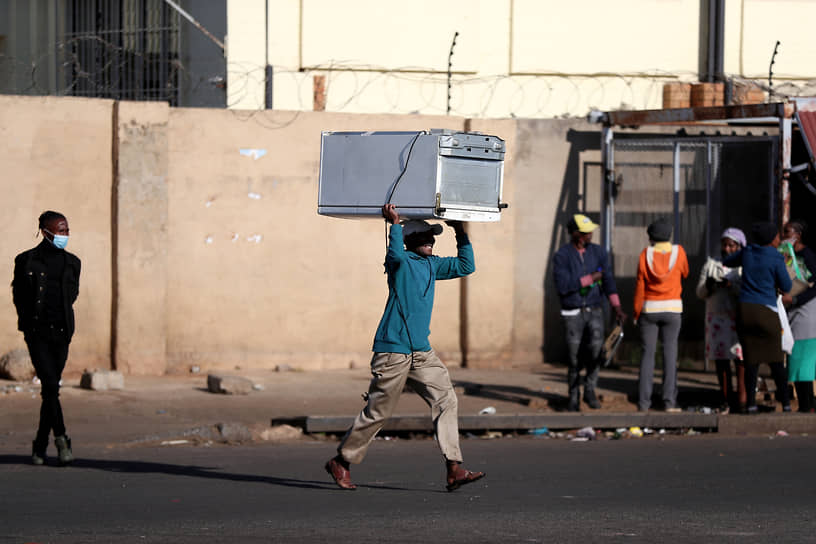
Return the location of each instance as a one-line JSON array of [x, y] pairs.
[[745, 112], [807, 125]]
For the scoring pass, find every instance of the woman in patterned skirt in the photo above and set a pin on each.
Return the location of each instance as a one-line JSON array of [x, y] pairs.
[[719, 286]]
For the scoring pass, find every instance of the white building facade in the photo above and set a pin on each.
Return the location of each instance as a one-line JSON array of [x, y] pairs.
[[511, 58]]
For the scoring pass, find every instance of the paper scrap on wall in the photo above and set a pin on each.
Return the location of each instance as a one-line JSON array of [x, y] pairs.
[[254, 153]]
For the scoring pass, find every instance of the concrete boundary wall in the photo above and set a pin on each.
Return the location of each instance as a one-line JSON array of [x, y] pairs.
[[255, 276], [56, 155], [140, 202], [201, 245]]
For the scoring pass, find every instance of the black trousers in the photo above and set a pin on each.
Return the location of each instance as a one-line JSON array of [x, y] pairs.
[[780, 377], [804, 392], [49, 350], [587, 326]]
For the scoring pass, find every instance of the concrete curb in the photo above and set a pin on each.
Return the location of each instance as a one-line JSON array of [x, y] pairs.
[[723, 424], [792, 423]]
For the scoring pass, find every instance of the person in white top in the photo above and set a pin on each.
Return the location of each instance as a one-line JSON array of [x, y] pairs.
[[719, 286]]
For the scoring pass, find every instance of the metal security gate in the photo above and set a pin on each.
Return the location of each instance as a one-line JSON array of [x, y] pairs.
[[702, 184], [121, 49]]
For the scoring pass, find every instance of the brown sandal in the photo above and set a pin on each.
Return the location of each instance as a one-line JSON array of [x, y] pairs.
[[463, 477]]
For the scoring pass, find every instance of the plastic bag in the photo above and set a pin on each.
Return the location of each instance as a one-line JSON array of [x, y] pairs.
[[787, 334]]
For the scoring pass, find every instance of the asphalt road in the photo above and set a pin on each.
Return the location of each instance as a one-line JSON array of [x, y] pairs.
[[675, 489]]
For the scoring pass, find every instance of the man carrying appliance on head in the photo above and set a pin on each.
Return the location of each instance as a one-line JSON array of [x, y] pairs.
[[402, 352], [583, 278]]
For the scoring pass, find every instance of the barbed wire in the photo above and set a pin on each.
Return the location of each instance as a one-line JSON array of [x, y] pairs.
[[404, 91], [112, 71]]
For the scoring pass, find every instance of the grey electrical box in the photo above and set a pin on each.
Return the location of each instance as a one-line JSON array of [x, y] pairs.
[[426, 175]]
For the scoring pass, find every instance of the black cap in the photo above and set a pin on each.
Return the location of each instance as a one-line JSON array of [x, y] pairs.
[[763, 232], [660, 230]]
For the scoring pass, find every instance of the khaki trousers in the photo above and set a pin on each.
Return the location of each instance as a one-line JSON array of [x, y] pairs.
[[429, 378]]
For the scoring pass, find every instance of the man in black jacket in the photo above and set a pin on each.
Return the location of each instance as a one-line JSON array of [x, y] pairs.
[[45, 286]]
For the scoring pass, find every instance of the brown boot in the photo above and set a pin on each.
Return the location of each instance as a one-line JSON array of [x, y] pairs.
[[338, 468], [457, 476]]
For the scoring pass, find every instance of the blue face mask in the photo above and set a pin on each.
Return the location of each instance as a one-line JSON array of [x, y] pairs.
[[59, 240]]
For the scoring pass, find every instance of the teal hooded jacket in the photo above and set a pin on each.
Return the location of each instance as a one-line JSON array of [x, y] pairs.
[[406, 321]]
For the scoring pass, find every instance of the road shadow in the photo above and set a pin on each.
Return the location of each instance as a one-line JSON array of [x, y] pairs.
[[149, 467], [515, 394], [701, 393]]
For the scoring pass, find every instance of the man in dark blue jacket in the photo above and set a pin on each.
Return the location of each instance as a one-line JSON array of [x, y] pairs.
[[582, 277]]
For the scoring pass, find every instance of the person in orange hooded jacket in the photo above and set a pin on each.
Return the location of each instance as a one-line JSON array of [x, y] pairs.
[[658, 310]]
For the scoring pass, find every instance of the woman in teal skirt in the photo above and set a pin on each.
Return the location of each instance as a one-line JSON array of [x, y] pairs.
[[802, 316]]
